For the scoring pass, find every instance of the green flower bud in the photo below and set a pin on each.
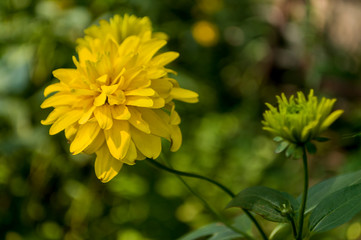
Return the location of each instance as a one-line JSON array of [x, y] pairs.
[[298, 120]]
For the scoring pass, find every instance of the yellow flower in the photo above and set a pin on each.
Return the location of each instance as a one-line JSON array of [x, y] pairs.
[[118, 101], [298, 120], [119, 28], [205, 33]]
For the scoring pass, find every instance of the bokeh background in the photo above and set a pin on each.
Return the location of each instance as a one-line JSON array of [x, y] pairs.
[[237, 54]]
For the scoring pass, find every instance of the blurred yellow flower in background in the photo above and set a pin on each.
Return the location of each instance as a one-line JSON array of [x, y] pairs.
[[205, 33], [118, 101]]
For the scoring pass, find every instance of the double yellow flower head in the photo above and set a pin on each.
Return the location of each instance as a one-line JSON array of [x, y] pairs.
[[118, 101], [298, 120]]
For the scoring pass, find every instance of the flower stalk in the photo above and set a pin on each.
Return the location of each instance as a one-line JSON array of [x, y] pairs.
[[304, 194], [221, 186], [210, 208], [186, 174]]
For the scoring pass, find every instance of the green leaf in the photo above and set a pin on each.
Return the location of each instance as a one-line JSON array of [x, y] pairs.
[[282, 146], [218, 231], [290, 150], [226, 235], [266, 202], [294, 202], [282, 231], [207, 230], [338, 208], [320, 191], [311, 148], [278, 139], [243, 223]]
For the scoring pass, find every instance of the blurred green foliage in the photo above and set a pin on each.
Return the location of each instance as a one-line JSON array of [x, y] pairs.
[[242, 55]]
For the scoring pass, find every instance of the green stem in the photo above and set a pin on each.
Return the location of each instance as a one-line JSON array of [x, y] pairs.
[[224, 188], [293, 224], [185, 174], [217, 215], [256, 223], [304, 195]]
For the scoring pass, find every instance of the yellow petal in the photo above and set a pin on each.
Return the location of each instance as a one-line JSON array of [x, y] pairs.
[[140, 156], [162, 87], [140, 81], [96, 143], [131, 154], [160, 35], [70, 132], [83, 91], [103, 79], [120, 112], [156, 73], [65, 75], [84, 137], [86, 115], [140, 92], [137, 121], [118, 139], [158, 102], [75, 61], [157, 120], [118, 99], [59, 99], [147, 144], [65, 120], [164, 58], [330, 119], [106, 166], [184, 95], [109, 89], [170, 71], [119, 77], [139, 101], [100, 100], [176, 138], [148, 49], [55, 87], [104, 116], [90, 72], [174, 117], [129, 45], [306, 131], [86, 55], [54, 115], [133, 73]]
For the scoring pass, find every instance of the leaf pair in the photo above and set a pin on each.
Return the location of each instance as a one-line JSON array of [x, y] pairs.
[[330, 203], [334, 202], [271, 204]]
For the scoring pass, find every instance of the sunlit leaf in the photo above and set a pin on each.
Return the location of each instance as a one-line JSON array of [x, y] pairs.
[[320, 191], [338, 208]]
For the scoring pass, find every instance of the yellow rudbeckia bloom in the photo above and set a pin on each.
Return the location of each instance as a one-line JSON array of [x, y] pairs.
[[118, 101]]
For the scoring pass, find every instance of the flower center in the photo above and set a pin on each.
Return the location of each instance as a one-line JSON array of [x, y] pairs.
[[294, 108], [111, 95]]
